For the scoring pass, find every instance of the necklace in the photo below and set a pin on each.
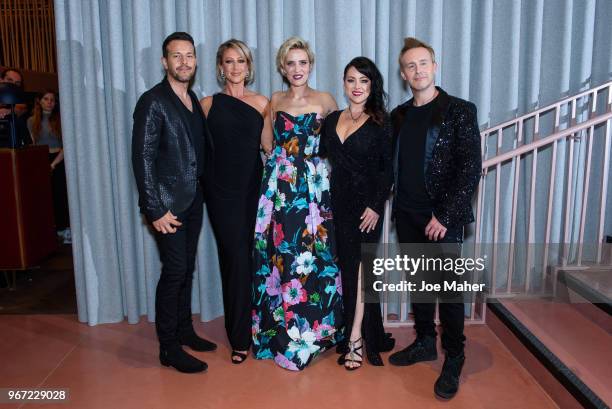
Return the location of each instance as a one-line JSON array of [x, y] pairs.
[[351, 115]]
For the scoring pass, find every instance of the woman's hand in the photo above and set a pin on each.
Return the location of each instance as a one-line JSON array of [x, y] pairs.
[[369, 218]]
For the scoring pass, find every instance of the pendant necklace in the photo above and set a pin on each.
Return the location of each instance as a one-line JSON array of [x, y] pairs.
[[351, 115]]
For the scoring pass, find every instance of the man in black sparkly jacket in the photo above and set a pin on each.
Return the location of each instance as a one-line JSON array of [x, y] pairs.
[[437, 168], [170, 141]]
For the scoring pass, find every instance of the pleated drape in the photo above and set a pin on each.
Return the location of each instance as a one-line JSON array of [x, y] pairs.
[[506, 56]]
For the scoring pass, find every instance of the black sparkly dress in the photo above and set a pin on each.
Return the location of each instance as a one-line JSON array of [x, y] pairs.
[[361, 177], [232, 194]]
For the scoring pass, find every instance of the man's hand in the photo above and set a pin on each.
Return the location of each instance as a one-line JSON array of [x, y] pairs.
[[369, 218], [167, 223], [435, 230]]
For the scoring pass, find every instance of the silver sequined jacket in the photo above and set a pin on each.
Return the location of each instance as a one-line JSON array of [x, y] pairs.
[[452, 157], [163, 156]]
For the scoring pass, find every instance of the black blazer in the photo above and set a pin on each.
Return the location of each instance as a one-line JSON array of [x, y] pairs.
[[163, 155], [452, 157]]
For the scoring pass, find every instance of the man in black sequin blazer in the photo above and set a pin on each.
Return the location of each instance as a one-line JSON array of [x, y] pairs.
[[170, 141], [437, 168]]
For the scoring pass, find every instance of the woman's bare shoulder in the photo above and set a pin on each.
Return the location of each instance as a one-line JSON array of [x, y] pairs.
[[206, 103]]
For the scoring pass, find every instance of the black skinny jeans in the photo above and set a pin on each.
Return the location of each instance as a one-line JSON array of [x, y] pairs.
[[410, 227], [173, 296]]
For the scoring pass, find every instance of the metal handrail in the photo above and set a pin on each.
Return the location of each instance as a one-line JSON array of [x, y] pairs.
[[565, 114], [503, 157], [513, 157], [548, 108]]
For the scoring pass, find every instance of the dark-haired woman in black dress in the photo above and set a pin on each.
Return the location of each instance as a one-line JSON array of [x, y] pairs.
[[236, 121], [358, 145]]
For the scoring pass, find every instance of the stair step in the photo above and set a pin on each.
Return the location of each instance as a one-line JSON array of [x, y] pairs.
[[573, 348], [593, 285]]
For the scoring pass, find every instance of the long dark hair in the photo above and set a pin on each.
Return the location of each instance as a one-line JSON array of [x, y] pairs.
[[54, 120], [376, 104]]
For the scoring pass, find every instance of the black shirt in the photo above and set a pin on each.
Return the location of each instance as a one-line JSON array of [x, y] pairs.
[[197, 127], [412, 194]]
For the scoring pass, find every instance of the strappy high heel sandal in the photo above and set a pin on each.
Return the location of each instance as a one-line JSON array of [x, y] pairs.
[[238, 355], [353, 354]]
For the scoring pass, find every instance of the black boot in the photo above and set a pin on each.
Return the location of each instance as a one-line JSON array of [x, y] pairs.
[[422, 349], [175, 357], [447, 384], [197, 343]]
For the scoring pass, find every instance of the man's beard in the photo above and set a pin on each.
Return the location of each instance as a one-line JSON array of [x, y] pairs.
[[182, 77]]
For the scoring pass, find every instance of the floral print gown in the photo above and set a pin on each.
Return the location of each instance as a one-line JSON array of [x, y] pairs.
[[297, 291]]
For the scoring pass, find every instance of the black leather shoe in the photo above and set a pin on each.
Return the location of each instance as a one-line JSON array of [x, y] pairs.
[[181, 360], [421, 350], [197, 343], [447, 384]]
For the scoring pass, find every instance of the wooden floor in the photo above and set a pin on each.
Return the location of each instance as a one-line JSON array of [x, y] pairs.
[[46, 289], [115, 366]]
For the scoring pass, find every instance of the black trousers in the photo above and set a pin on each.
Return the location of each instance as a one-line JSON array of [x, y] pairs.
[[233, 221], [173, 296], [410, 226]]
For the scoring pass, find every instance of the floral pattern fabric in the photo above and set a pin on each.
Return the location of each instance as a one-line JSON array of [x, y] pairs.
[[297, 290]]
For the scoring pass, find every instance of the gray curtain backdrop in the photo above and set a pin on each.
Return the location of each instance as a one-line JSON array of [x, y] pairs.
[[506, 56]]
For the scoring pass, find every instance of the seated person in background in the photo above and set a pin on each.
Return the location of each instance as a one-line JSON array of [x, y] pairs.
[[12, 76]]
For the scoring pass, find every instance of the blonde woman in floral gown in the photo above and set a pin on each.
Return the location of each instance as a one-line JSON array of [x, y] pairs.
[[297, 292]]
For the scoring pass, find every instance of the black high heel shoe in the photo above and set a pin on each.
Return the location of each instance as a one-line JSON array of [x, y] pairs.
[[353, 354], [374, 358], [238, 355]]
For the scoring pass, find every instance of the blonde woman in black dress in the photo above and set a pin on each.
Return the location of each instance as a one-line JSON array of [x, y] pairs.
[[236, 121]]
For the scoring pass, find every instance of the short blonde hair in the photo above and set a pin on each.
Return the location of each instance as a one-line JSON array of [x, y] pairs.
[[292, 43], [411, 42], [243, 49]]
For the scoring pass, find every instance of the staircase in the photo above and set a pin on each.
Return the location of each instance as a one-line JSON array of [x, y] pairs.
[[552, 303]]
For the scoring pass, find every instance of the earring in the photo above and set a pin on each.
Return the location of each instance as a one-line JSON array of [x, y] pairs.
[[222, 75], [248, 75]]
